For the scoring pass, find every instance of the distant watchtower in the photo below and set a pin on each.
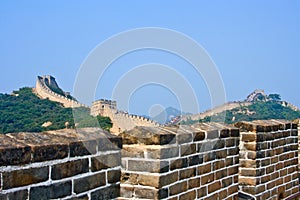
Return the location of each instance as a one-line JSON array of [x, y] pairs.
[[49, 80], [104, 108]]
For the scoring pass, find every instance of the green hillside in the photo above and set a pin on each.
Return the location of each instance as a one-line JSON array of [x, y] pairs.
[[23, 111], [258, 110]]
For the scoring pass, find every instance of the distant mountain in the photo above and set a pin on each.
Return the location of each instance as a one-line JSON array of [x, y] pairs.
[[167, 115], [257, 105]]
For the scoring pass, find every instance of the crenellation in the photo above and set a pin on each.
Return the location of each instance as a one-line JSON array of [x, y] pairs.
[[267, 158], [189, 162], [204, 161], [42, 90], [53, 176]]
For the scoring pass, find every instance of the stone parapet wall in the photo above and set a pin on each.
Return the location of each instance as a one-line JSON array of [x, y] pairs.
[[269, 159], [123, 122], [42, 90], [198, 162], [64, 164]]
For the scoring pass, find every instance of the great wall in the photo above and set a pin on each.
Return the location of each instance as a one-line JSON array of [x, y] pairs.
[[43, 91], [209, 161], [121, 121], [257, 160]]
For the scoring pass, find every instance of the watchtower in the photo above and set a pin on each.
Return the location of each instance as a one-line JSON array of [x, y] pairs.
[[104, 108]]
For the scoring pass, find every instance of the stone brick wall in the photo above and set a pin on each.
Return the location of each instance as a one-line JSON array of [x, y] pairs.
[[269, 159], [42, 90], [198, 162], [62, 164]]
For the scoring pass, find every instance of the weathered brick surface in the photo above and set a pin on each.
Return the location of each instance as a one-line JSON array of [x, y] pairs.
[[268, 158], [19, 195], [54, 191], [70, 168], [192, 167], [89, 182], [78, 165], [105, 161], [111, 192], [24, 177]]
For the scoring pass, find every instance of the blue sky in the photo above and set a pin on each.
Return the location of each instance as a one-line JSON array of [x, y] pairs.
[[254, 44]]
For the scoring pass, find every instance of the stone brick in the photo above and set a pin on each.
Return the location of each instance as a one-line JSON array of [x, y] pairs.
[[195, 160], [220, 144], [113, 176], [229, 161], [248, 172], [13, 152], [202, 191], [249, 163], [233, 151], [148, 166], [209, 156], [203, 169], [178, 163], [162, 153], [126, 191], [198, 136], [54, 191], [218, 164], [168, 179], [70, 168], [232, 170], [194, 183], [221, 173], [226, 182], [89, 182], [250, 146], [191, 195], [265, 179], [109, 144], [265, 162], [184, 138], [145, 193], [178, 188], [214, 187], [148, 136], [80, 148], [248, 137], [187, 149], [163, 193], [213, 134], [105, 161], [224, 133], [221, 154], [252, 181], [232, 190], [187, 173], [234, 132], [223, 194], [24, 177], [18, 195], [212, 197], [208, 178], [110, 192], [230, 142]]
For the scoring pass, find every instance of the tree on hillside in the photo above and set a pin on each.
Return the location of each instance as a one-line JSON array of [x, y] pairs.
[[274, 97]]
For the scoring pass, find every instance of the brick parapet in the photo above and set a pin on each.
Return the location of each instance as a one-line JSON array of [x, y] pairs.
[[268, 158], [185, 162], [61, 164], [42, 90]]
